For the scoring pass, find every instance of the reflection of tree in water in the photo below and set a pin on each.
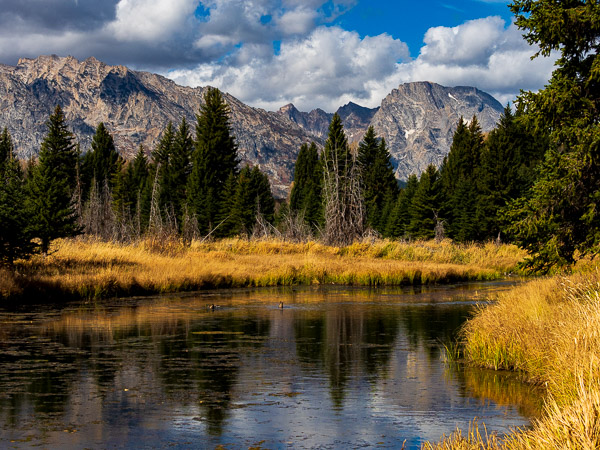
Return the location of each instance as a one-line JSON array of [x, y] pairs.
[[191, 361], [37, 372], [208, 359], [429, 325], [345, 341]]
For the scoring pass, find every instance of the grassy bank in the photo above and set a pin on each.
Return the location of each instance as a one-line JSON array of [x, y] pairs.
[[549, 330], [86, 269]]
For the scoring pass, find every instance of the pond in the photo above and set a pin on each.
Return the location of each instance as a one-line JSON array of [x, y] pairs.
[[335, 368]]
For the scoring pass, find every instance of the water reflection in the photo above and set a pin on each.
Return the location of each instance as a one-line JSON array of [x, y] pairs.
[[340, 367]]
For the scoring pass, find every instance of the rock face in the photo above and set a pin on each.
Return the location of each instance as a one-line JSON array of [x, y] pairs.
[[135, 107], [355, 118], [315, 122], [418, 121]]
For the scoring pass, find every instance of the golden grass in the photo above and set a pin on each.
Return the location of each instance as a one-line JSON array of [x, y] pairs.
[[549, 330], [88, 269]]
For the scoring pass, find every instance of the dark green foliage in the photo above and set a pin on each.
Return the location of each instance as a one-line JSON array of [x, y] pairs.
[[399, 219], [507, 171], [214, 158], [171, 168], [102, 162], [228, 219], [180, 167], [52, 183], [459, 181], [160, 169], [253, 196], [425, 205], [131, 183], [15, 240], [379, 185], [336, 153], [561, 219], [306, 195]]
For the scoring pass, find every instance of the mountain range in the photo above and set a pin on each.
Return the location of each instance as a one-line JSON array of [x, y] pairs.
[[417, 120]]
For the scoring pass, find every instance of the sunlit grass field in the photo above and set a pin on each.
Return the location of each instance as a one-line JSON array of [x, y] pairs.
[[93, 269]]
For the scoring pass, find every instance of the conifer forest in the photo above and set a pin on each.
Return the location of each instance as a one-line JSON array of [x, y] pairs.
[[191, 186]]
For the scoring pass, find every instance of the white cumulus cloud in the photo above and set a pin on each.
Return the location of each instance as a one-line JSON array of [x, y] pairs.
[[331, 66], [327, 67], [150, 20]]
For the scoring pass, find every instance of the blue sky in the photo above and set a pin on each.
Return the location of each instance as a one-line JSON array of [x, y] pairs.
[[313, 53], [409, 21]]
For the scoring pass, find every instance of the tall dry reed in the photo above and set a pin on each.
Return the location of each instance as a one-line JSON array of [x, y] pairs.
[[549, 331]]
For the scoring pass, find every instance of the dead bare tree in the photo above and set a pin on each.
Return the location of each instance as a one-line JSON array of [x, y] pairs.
[[439, 231], [155, 223], [342, 193]]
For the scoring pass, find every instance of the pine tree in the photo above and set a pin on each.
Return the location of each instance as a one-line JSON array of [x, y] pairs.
[[103, 162], [160, 170], [560, 219], [459, 178], [306, 194], [380, 188], [425, 204], [264, 203], [253, 196], [180, 166], [508, 160], [214, 158], [51, 185], [15, 239], [399, 219], [228, 218]]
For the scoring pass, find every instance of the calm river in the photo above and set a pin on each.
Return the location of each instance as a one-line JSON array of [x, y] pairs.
[[335, 368]]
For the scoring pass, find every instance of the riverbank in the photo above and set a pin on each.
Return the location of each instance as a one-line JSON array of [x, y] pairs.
[[549, 331], [80, 269]]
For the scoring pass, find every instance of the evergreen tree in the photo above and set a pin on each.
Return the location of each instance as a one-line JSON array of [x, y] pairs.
[[15, 240], [103, 162], [228, 218], [160, 169], [253, 196], [380, 188], [344, 214], [180, 166], [51, 184], [214, 158], [561, 219], [508, 160], [425, 205], [306, 195], [459, 179], [399, 219], [264, 203]]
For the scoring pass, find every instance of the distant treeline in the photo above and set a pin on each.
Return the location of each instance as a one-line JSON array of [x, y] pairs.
[[192, 188]]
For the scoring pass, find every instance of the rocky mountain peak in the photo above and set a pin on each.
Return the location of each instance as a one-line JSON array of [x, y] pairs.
[[418, 121], [135, 107]]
